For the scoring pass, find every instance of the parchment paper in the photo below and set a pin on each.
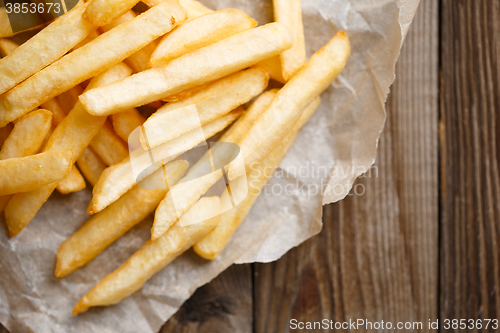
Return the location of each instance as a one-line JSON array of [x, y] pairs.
[[337, 145]]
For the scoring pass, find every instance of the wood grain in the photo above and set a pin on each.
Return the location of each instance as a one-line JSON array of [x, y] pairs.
[[224, 305], [377, 257], [470, 152]]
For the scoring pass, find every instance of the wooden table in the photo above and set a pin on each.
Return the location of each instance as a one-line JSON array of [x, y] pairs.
[[423, 241]]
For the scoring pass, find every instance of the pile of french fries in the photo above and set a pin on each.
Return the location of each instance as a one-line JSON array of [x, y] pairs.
[[68, 99]]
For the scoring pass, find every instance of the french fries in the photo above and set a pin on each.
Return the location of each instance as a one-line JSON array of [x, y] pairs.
[[90, 165], [211, 103], [108, 146], [49, 45], [114, 221], [289, 13], [119, 178], [276, 122], [93, 58], [127, 121], [196, 183], [153, 256], [102, 12], [74, 133], [210, 246], [204, 65], [25, 174], [200, 32], [139, 60], [25, 139]]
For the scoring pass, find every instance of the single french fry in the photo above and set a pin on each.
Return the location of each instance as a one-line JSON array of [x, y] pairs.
[[90, 165], [204, 65], [25, 139], [102, 12], [127, 121], [196, 183], [211, 103], [289, 13], [27, 135], [194, 8], [114, 221], [7, 47], [68, 99], [153, 256], [73, 182], [49, 45], [25, 174], [119, 178], [108, 146], [273, 64], [74, 133], [139, 60], [210, 246], [200, 32], [93, 58], [276, 122]]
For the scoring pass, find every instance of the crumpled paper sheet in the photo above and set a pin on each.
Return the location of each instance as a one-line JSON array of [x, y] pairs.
[[337, 145]]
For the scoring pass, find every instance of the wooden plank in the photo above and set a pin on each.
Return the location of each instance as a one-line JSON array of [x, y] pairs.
[[470, 157], [377, 256], [223, 305]]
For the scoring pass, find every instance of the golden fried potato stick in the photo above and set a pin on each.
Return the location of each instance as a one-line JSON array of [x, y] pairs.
[[289, 13], [108, 146], [113, 222], [273, 64], [139, 60], [26, 138], [90, 165], [200, 32], [218, 99], [25, 174], [49, 45], [75, 132], [210, 246], [153, 256], [102, 12], [194, 8], [277, 121], [196, 183], [119, 178], [193, 69], [93, 58], [127, 121], [7, 47]]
